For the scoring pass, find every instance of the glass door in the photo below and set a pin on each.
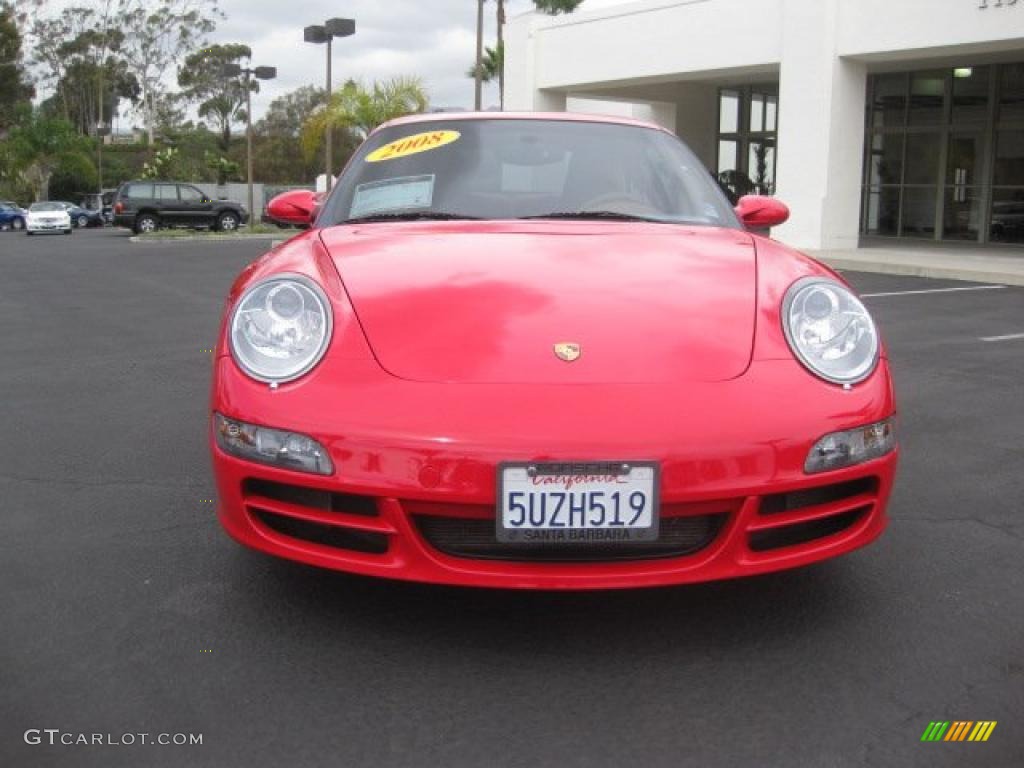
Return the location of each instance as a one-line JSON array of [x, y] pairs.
[[1006, 220], [944, 155]]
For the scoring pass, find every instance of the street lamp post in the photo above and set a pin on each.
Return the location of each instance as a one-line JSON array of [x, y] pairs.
[[478, 76], [325, 33], [102, 129], [260, 73]]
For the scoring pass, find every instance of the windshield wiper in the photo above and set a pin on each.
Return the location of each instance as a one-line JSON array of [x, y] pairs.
[[613, 215], [449, 216], [410, 216]]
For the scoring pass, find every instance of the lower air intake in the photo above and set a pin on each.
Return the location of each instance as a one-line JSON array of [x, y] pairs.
[[326, 535], [801, 533], [474, 538]]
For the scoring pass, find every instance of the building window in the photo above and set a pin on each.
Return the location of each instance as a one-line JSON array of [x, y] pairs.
[[944, 154], [971, 95], [1011, 92], [889, 101], [1006, 220], [927, 98], [728, 111], [747, 132]]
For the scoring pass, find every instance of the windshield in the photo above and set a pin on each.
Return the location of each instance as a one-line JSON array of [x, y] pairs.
[[523, 168], [46, 207]]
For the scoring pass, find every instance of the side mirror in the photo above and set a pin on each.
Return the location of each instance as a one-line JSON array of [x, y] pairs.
[[761, 212], [298, 207]]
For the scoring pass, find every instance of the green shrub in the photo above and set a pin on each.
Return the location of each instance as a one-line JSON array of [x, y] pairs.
[[74, 177]]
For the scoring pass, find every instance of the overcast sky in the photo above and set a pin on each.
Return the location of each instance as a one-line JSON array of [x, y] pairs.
[[434, 39]]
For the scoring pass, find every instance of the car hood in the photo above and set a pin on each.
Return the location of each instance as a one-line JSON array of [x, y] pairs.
[[487, 302]]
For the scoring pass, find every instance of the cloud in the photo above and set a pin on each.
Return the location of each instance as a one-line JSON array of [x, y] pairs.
[[432, 39]]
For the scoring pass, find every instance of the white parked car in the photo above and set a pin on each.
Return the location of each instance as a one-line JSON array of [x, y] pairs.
[[47, 217]]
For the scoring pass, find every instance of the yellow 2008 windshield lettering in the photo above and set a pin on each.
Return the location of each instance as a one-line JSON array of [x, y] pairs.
[[411, 145]]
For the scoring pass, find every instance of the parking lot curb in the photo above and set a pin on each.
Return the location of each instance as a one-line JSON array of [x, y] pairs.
[[206, 238], [975, 271]]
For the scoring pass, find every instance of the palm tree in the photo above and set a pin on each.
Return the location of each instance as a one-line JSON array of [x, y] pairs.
[[490, 62], [491, 66], [555, 7], [483, 71], [360, 109]]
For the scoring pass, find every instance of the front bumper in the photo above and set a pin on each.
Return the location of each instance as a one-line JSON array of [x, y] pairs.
[[37, 226], [413, 495]]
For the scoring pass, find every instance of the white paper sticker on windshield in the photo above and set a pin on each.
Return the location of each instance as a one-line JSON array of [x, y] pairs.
[[392, 195]]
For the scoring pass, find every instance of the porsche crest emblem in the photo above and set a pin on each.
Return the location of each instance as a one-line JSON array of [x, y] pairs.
[[567, 351]]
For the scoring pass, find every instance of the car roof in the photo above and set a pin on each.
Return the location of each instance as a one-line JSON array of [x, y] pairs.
[[570, 117]]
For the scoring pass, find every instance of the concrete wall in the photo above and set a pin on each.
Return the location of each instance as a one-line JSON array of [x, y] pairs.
[[888, 30], [667, 40], [647, 40], [660, 113], [232, 191], [821, 131], [697, 120]]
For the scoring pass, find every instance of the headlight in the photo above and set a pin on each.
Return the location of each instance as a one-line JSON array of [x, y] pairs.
[[280, 328], [289, 450], [829, 330]]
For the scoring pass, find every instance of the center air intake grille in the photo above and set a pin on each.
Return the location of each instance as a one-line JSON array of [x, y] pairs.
[[474, 538]]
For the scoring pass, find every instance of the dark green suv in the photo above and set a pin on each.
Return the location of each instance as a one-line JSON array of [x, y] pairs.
[[145, 206]]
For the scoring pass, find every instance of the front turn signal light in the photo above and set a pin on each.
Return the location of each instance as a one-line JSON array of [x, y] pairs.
[[852, 446], [277, 447]]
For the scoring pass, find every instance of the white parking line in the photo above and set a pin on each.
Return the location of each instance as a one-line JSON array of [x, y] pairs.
[[933, 290], [1007, 337]]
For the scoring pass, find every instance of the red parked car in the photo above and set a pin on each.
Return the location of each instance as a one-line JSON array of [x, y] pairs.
[[542, 351]]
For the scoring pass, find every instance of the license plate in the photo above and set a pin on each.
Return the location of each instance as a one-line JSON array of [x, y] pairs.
[[577, 502]]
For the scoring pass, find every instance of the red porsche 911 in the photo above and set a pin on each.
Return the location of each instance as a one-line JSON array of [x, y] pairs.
[[543, 351]]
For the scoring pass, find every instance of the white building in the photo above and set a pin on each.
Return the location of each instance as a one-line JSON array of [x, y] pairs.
[[870, 118]]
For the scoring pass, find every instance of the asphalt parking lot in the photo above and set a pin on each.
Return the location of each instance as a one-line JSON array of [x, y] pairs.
[[127, 610]]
